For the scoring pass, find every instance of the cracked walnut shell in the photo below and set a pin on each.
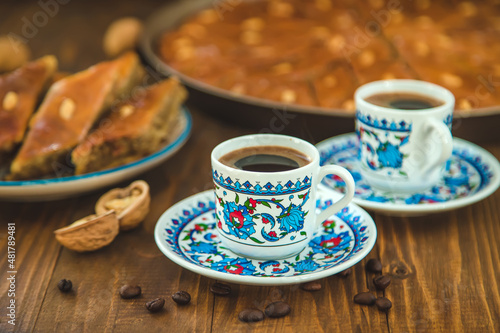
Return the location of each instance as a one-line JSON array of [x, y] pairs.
[[131, 204], [89, 233]]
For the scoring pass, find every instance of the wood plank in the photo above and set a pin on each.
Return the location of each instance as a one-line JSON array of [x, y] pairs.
[[329, 310], [444, 270], [36, 255]]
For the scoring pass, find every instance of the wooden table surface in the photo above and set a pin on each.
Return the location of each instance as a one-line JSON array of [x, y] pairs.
[[445, 268]]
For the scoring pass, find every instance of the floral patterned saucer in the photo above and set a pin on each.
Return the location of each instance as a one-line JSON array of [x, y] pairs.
[[186, 234], [471, 174]]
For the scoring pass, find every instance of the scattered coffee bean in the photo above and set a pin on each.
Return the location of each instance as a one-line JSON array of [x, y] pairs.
[[251, 315], [364, 298], [345, 273], [311, 286], [155, 305], [374, 265], [64, 285], [129, 291], [383, 304], [181, 297], [220, 289], [382, 281], [277, 309]]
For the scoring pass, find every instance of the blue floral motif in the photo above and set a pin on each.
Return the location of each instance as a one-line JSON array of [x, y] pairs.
[[238, 220], [239, 266], [203, 247], [306, 265], [389, 155], [330, 243], [292, 219], [465, 174]]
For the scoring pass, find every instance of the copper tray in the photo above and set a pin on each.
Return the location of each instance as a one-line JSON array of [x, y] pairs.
[[309, 122]]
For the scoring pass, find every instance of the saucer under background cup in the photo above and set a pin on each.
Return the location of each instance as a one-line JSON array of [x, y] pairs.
[[471, 174]]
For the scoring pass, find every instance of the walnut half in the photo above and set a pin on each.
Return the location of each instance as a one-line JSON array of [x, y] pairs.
[[131, 204], [89, 233]]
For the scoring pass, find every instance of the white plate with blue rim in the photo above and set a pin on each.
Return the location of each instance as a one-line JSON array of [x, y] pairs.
[[471, 174], [186, 234], [68, 186]]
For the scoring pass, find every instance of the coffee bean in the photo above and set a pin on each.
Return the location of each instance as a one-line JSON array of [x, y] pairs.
[[251, 315], [311, 286], [364, 298], [345, 273], [129, 291], [383, 304], [220, 289], [181, 297], [64, 285], [382, 281], [155, 305], [277, 309], [374, 265]]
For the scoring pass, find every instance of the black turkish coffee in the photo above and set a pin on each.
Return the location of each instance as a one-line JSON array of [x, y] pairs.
[[265, 159], [404, 101]]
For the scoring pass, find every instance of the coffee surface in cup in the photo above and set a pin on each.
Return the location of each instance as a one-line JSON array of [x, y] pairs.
[[404, 101], [265, 159]]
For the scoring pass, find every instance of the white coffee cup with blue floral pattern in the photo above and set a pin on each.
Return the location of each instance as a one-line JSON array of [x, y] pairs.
[[403, 150], [271, 215]]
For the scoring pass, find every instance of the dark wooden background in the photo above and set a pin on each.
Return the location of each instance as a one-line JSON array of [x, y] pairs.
[[445, 268]]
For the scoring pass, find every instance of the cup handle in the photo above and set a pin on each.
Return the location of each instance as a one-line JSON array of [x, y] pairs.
[[349, 181], [446, 143]]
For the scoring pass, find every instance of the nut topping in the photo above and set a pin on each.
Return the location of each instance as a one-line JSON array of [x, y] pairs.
[[126, 110], [182, 42], [451, 80], [67, 108], [464, 104], [288, 96], [253, 23], [184, 53], [89, 233], [422, 48], [131, 204], [10, 101], [336, 43], [388, 76], [349, 105], [280, 9], [238, 89], [330, 81], [194, 30], [367, 58], [250, 37], [283, 68]]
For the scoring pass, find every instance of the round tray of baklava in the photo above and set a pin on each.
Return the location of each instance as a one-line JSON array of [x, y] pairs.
[[259, 61]]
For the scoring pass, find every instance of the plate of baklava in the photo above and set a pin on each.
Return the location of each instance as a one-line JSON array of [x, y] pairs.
[[66, 135]]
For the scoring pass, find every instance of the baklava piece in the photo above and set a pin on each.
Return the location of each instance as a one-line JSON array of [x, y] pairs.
[[69, 110], [134, 129], [19, 94]]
